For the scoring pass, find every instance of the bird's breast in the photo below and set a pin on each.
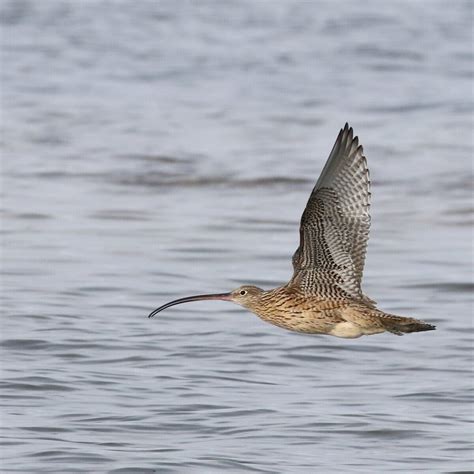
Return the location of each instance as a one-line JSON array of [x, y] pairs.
[[300, 314]]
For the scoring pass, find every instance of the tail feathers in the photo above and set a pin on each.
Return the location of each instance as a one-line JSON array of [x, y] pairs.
[[399, 325]]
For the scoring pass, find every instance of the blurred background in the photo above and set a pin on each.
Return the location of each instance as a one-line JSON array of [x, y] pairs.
[[152, 150]]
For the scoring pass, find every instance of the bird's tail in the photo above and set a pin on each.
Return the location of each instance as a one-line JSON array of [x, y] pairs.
[[400, 325]]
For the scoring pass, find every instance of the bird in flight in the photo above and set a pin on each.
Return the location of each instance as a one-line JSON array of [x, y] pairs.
[[324, 295]]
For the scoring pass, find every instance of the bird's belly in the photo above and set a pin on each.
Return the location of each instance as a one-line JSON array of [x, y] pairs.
[[346, 330], [309, 322]]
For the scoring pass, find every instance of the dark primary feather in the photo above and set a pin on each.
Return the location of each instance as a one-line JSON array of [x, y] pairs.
[[334, 228]]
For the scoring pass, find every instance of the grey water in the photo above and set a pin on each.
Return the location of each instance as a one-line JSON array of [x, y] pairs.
[[153, 150]]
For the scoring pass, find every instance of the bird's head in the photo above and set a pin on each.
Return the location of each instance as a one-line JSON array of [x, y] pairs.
[[247, 296]]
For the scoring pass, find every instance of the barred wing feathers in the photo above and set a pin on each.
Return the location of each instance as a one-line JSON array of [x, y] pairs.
[[334, 229]]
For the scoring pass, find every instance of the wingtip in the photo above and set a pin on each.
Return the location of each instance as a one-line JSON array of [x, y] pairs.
[[346, 131], [347, 128], [351, 139]]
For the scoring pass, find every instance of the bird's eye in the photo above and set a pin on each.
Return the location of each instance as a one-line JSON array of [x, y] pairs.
[[243, 292]]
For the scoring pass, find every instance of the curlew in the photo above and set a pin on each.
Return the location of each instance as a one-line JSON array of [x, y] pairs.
[[324, 295]]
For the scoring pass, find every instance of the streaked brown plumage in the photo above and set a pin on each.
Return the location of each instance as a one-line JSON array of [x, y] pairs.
[[324, 295]]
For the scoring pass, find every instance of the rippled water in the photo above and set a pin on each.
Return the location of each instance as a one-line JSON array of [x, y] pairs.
[[153, 150]]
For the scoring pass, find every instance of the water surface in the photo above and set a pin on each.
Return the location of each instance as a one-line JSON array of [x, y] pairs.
[[153, 150]]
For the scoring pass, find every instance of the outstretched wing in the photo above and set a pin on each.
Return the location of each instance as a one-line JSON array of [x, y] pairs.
[[334, 229]]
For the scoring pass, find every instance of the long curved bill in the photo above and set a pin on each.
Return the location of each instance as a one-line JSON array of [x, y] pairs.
[[189, 299]]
